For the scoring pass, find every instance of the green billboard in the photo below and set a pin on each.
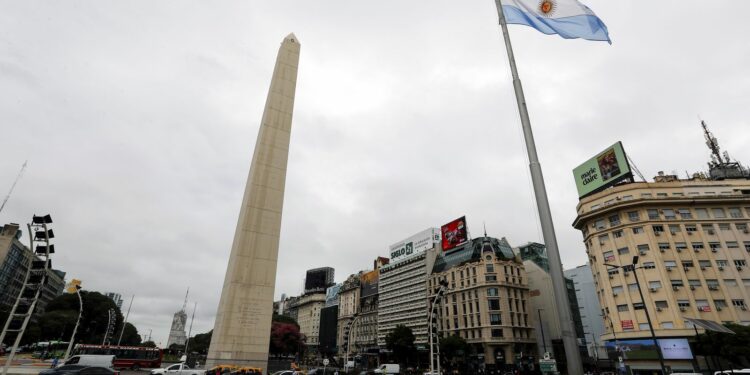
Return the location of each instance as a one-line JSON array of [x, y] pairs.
[[603, 170]]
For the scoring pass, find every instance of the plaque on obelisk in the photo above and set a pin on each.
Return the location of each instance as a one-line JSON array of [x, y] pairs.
[[242, 330]]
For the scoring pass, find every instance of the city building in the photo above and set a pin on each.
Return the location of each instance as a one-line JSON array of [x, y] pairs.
[[116, 298], [402, 286], [486, 302], [317, 280], [177, 334], [348, 308], [308, 317], [291, 305], [693, 246], [590, 310], [366, 329], [15, 258], [329, 323], [534, 256]]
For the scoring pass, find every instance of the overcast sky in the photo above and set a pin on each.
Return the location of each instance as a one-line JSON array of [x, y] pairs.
[[138, 119]]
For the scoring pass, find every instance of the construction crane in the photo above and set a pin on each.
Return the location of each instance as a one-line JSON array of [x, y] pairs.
[[20, 173]]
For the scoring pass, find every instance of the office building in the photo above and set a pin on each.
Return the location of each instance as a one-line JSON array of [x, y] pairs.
[[328, 332], [693, 246], [589, 308], [487, 302], [366, 329], [308, 317], [348, 307]]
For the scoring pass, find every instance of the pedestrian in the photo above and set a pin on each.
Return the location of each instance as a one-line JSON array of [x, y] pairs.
[[54, 362]]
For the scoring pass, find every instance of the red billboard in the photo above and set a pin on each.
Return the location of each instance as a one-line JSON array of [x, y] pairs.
[[627, 324], [454, 233]]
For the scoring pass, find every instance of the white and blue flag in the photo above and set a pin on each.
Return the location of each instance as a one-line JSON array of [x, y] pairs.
[[568, 18]]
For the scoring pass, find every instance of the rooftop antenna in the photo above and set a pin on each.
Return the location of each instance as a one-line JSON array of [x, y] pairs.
[[485, 229], [20, 173], [712, 144]]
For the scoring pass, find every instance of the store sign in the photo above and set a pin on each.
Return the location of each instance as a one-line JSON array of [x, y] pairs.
[[627, 324], [602, 171], [415, 244], [675, 348], [454, 233]]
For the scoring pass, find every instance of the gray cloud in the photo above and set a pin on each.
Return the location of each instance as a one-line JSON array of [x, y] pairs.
[[139, 118]]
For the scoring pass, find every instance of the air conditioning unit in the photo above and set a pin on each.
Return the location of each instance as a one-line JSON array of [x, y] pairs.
[[713, 250], [745, 231], [628, 273], [652, 290], [601, 243], [697, 250], [662, 250], [611, 276], [679, 250], [721, 268], [658, 309], [718, 308], [643, 252], [713, 287], [703, 268], [657, 234], [669, 269], [739, 268], [743, 307], [692, 287], [690, 233], [711, 231], [686, 268], [683, 308], [673, 232], [614, 294], [675, 288]]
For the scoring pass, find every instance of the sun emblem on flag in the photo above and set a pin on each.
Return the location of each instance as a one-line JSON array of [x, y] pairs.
[[547, 7]]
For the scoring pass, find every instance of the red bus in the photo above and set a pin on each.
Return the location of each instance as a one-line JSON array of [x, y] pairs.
[[130, 357]]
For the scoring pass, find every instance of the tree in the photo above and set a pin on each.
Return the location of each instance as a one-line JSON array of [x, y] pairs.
[[401, 342], [284, 319], [200, 342], [129, 337], [735, 348], [149, 344], [285, 338], [453, 347]]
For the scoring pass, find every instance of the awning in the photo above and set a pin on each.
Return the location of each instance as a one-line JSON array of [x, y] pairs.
[[709, 325]]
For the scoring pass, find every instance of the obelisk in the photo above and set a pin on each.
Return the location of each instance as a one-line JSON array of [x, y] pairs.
[[242, 330]]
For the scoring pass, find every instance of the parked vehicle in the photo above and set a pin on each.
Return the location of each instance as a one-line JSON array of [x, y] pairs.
[[132, 357], [80, 370], [178, 369], [388, 368], [90, 360], [729, 372]]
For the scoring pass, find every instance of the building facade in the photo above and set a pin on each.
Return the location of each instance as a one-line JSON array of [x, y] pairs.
[[402, 293], [487, 302], [348, 307], [693, 244], [590, 310], [366, 329], [308, 317]]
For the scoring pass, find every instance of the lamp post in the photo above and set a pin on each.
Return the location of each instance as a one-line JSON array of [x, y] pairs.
[[75, 329], [349, 341], [633, 268]]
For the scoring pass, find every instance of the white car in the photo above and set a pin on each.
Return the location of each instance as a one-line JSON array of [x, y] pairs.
[[177, 369]]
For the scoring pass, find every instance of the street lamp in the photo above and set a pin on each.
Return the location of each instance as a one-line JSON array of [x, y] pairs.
[[77, 287], [348, 333], [632, 267]]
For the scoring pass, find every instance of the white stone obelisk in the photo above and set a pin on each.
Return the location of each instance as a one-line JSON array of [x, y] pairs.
[[242, 330]]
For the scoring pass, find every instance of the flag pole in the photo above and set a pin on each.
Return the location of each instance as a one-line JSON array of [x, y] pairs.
[[570, 343]]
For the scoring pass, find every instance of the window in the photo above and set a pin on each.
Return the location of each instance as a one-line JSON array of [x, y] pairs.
[[649, 265], [747, 245], [603, 238], [691, 228], [679, 246], [497, 333], [653, 214], [714, 246], [492, 292], [697, 246], [667, 325], [678, 194], [617, 290], [609, 256], [685, 213], [668, 213], [645, 195], [614, 220], [643, 326], [721, 263], [732, 245], [718, 213], [683, 303], [634, 216], [694, 283], [490, 278], [676, 283], [637, 230], [739, 303], [658, 229], [623, 250], [613, 272], [493, 304], [687, 263], [740, 263], [720, 303], [708, 228], [661, 195], [654, 284], [735, 212], [746, 282], [638, 306], [617, 234], [730, 282], [704, 263], [741, 226], [622, 308], [724, 226], [670, 264], [490, 267], [633, 287], [661, 304], [673, 228], [663, 246], [712, 283], [701, 213], [599, 224], [495, 320]]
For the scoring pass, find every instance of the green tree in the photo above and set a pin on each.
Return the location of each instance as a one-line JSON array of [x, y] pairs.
[[130, 336], [400, 341], [453, 348], [734, 348], [200, 342], [149, 344], [284, 319]]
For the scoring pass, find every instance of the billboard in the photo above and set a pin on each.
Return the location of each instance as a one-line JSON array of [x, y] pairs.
[[332, 295], [603, 170], [318, 279], [369, 283], [454, 233], [632, 349], [675, 349], [415, 244]]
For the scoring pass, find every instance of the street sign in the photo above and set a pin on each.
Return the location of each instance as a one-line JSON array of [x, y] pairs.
[[326, 362], [547, 365]]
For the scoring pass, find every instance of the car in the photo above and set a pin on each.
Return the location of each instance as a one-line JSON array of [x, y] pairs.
[[80, 370], [728, 372], [177, 369], [91, 360]]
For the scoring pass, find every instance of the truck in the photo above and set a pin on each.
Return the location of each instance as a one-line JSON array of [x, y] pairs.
[[388, 368]]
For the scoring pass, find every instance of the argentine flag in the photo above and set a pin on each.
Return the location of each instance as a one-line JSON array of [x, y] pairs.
[[568, 18]]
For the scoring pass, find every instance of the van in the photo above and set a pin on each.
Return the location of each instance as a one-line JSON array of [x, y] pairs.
[[90, 360], [388, 368]]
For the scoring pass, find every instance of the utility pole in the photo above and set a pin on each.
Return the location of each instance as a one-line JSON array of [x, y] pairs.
[[126, 320]]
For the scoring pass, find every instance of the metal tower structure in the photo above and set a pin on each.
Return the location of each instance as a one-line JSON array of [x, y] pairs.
[[37, 271], [18, 177]]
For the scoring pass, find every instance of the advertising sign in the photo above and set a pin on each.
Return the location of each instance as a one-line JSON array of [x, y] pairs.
[[627, 324], [332, 295], [675, 348], [454, 233], [632, 349], [602, 171], [415, 244], [369, 283]]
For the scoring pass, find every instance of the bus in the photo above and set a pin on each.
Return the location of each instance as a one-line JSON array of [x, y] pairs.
[[126, 357]]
